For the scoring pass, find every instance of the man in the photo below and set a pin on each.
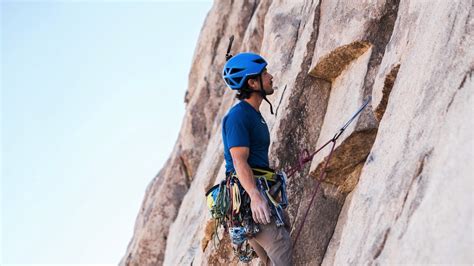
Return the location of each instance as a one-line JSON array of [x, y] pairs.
[[246, 140]]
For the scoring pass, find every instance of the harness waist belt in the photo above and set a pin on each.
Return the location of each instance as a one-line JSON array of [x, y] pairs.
[[269, 175]]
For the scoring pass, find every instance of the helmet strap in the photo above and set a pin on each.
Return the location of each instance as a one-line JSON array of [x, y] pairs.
[[264, 94]]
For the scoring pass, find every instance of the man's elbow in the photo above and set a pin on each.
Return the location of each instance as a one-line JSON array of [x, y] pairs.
[[239, 163]]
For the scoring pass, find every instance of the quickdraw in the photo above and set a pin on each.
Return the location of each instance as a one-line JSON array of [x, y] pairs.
[[306, 157]]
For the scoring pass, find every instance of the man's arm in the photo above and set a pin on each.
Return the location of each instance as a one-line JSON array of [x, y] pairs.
[[258, 204]]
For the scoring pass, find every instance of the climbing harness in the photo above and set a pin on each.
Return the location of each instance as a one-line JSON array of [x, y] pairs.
[[306, 157], [229, 206]]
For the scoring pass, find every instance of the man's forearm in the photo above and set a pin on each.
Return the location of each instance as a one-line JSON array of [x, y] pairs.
[[260, 211], [245, 175]]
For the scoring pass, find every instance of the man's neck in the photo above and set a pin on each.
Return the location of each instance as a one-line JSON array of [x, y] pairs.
[[255, 101]]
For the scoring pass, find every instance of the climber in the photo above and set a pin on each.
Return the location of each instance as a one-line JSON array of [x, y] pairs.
[[246, 141]]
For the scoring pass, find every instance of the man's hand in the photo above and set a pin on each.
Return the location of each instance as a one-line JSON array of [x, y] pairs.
[[260, 210]]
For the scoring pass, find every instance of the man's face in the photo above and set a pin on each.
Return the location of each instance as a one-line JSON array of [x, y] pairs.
[[267, 80]]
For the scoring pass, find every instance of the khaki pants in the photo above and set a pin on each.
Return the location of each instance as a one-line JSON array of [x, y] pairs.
[[274, 243]]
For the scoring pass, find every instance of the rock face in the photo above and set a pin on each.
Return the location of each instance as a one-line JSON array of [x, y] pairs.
[[398, 188]]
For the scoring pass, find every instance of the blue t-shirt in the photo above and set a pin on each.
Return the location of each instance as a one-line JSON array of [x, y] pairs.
[[243, 126]]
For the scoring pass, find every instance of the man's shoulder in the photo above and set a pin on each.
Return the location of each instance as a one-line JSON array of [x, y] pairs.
[[237, 115], [237, 110]]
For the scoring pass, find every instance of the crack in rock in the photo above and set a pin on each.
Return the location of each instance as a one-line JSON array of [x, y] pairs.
[[468, 74], [381, 246], [387, 89]]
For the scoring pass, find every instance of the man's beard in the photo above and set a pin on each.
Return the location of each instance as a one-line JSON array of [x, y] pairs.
[[269, 91]]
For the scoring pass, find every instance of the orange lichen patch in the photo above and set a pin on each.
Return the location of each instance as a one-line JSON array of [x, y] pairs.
[[331, 65], [387, 89], [209, 230], [351, 180]]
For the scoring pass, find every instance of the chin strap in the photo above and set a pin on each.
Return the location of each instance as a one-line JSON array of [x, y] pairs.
[[264, 95]]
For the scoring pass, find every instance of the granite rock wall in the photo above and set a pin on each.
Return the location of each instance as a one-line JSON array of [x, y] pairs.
[[398, 188]]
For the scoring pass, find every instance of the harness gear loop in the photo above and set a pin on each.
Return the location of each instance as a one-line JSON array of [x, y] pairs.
[[235, 198]]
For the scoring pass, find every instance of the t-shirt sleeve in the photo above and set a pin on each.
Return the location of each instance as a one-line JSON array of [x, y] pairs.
[[237, 131]]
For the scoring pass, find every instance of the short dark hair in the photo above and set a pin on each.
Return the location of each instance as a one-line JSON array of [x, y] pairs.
[[246, 91]]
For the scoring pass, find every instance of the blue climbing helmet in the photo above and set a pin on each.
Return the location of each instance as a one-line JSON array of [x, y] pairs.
[[240, 67]]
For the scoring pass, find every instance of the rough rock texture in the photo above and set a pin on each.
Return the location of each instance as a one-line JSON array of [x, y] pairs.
[[398, 188], [415, 187]]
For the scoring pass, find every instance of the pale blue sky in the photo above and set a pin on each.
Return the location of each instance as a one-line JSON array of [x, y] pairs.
[[92, 102]]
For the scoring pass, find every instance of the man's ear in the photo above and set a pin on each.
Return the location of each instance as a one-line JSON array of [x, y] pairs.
[[252, 83]]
